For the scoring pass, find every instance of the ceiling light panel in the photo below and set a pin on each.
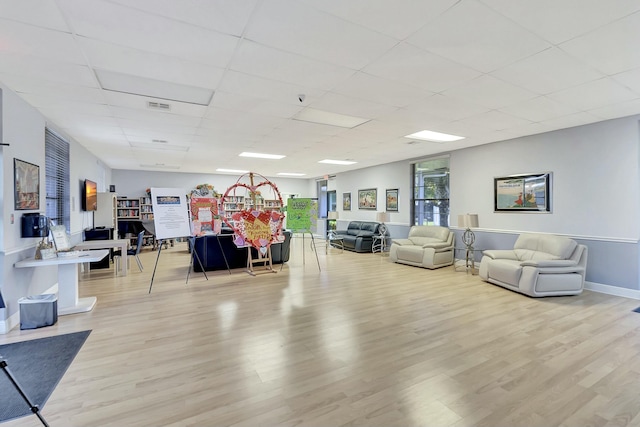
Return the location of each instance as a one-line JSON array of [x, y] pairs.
[[231, 170], [337, 162], [135, 85], [262, 155], [327, 118], [427, 135]]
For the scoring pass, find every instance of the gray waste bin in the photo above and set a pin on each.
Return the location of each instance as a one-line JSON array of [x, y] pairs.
[[38, 310]]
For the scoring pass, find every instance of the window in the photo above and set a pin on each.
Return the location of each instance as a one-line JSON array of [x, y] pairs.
[[431, 192], [57, 179]]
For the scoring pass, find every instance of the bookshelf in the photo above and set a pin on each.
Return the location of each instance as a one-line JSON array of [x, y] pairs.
[[146, 208], [128, 208]]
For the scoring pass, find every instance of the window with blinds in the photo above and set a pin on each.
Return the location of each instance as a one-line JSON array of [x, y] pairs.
[[57, 179]]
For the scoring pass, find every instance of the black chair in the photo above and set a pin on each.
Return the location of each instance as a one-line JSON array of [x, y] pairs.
[[131, 252]]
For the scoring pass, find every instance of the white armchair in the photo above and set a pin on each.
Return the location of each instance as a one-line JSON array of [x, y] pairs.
[[539, 265], [428, 246]]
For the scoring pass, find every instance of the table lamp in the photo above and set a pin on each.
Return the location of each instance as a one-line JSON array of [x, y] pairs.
[[468, 221], [383, 217], [332, 215]]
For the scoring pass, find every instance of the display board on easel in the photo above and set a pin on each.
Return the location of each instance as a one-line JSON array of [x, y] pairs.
[[205, 218], [170, 213], [302, 215]]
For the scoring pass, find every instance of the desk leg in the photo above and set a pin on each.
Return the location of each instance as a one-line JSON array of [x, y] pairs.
[[68, 301], [124, 260]]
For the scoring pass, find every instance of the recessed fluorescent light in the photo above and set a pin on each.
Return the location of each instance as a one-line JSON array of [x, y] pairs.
[[291, 174], [231, 170], [428, 135], [135, 85], [337, 162], [327, 118], [262, 155]]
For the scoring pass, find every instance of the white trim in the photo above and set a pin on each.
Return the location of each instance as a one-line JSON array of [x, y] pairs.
[[612, 290], [594, 238]]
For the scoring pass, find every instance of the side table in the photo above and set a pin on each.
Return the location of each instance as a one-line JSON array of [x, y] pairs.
[[334, 240], [469, 261], [379, 244]]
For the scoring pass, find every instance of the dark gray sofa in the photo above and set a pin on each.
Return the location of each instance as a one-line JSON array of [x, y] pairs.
[[358, 236]]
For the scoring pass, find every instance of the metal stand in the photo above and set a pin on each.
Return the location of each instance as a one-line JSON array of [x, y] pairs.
[[34, 408], [158, 258], [192, 247]]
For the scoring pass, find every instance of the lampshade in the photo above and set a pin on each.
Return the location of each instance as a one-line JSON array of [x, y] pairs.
[[332, 214], [468, 221], [383, 217]]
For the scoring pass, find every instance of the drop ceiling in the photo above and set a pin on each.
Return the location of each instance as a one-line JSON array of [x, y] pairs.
[[186, 86]]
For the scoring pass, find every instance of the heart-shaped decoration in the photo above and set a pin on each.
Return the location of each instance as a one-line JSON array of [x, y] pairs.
[[253, 226]]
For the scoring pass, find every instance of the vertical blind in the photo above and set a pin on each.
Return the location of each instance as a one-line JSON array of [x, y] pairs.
[[57, 179]]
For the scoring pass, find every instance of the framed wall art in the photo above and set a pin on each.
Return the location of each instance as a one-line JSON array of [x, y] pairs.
[[523, 193], [26, 185], [346, 201], [368, 199], [392, 200]]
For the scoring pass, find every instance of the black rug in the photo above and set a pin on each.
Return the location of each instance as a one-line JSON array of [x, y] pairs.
[[37, 365]]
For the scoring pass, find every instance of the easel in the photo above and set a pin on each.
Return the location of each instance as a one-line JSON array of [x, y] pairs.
[[190, 262], [313, 246], [34, 408], [262, 258]]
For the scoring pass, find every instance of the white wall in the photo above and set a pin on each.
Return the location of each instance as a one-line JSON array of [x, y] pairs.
[[134, 183]]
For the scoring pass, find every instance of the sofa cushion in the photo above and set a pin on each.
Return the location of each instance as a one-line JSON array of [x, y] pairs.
[[432, 231], [366, 233], [429, 241], [369, 226], [410, 253], [543, 246]]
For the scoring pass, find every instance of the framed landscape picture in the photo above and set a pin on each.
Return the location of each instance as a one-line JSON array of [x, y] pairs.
[[26, 185], [346, 201], [368, 199], [392, 200], [523, 193]]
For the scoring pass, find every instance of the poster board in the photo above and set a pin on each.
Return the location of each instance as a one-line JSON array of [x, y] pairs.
[[302, 215], [170, 213], [205, 217]]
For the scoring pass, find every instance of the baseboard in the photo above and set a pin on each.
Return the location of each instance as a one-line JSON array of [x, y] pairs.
[[613, 290]]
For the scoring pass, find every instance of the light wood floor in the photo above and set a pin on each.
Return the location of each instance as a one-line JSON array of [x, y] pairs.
[[361, 342]]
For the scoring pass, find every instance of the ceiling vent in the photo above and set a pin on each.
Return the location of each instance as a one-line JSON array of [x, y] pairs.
[[414, 142], [159, 141], [158, 106]]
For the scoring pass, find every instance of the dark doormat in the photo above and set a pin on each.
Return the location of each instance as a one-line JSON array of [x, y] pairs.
[[37, 365]]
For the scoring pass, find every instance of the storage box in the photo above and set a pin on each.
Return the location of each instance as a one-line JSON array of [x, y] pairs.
[[38, 310]]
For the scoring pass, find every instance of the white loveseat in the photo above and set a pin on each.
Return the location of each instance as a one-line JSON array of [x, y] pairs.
[[428, 246], [539, 265]]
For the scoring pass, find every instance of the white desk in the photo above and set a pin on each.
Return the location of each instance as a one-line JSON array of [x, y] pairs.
[[68, 301], [122, 244]]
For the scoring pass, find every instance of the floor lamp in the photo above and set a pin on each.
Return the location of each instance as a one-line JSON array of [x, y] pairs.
[[468, 221]]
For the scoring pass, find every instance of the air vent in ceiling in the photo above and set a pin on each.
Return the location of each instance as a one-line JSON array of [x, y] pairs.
[[158, 106], [159, 141]]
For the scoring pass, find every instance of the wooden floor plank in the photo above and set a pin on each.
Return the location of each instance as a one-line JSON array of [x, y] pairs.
[[353, 341]]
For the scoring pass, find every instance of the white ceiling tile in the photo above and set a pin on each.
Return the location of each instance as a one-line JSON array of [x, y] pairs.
[[558, 21], [229, 17], [539, 109], [258, 60], [446, 108], [343, 104], [130, 101], [397, 19], [107, 56], [547, 71], [630, 79], [297, 28], [258, 87], [622, 109], [490, 92], [249, 104], [39, 13], [594, 94], [376, 89], [601, 48], [42, 71], [23, 39], [476, 36], [410, 65], [150, 32], [495, 120]]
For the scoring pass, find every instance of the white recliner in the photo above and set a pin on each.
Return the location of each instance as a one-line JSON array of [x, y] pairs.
[[539, 265], [428, 246]]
